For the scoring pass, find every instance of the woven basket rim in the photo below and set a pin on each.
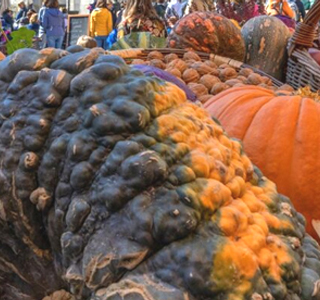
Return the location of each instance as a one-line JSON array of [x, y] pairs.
[[305, 32], [302, 68]]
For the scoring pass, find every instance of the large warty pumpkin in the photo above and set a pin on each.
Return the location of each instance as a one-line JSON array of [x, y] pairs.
[[113, 186]]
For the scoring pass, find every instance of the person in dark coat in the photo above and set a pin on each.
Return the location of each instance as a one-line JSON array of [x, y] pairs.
[[116, 6], [23, 10], [301, 8], [120, 12], [53, 24], [92, 6], [110, 7], [161, 7], [7, 15]]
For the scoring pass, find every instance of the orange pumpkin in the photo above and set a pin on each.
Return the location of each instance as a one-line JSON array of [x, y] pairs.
[[208, 32], [281, 136], [2, 56]]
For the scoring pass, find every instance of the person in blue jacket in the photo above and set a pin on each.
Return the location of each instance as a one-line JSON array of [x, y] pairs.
[[22, 11], [42, 33], [53, 24]]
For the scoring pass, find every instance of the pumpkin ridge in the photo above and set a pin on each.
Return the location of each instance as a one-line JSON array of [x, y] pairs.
[[234, 91], [271, 133], [295, 127], [242, 137], [255, 116], [224, 114], [307, 106]]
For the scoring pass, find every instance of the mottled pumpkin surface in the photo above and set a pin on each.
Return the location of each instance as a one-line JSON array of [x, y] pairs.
[[266, 40], [115, 187], [280, 135], [208, 32]]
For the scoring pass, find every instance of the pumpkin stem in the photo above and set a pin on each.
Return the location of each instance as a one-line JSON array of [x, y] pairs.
[[306, 92]]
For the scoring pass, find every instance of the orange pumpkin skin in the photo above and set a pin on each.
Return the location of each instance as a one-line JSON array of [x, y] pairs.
[[208, 32], [281, 136]]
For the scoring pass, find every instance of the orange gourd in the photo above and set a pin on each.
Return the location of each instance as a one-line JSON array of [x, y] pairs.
[[208, 32], [280, 133], [114, 186]]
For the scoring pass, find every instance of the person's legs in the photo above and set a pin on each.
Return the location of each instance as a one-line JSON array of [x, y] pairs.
[[104, 43], [51, 41], [43, 42], [99, 41], [59, 42]]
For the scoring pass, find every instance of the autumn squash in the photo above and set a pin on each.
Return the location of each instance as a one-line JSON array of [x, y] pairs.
[[266, 39], [209, 80], [210, 77], [280, 134], [114, 186], [190, 55], [208, 32], [155, 55], [2, 56], [190, 75]]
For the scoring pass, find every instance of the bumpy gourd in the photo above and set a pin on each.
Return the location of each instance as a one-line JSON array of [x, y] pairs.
[[208, 32], [115, 187], [279, 131]]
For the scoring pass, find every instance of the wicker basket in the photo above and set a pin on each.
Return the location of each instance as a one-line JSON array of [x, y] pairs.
[[129, 54], [302, 69]]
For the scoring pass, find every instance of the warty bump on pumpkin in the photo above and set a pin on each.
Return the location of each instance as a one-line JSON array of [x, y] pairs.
[[279, 132]]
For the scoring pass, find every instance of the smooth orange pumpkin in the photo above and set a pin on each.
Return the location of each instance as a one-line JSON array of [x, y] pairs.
[[281, 135]]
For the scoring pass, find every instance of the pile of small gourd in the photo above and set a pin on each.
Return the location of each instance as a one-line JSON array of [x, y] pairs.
[[205, 78]]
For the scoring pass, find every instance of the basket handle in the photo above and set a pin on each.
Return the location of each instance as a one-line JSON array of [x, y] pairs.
[[306, 31]]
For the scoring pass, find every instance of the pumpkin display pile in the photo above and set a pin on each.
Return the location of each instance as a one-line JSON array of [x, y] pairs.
[[205, 78], [114, 186], [280, 135]]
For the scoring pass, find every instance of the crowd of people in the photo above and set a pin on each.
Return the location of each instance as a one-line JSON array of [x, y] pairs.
[[26, 17], [49, 23], [292, 9], [113, 19], [109, 19]]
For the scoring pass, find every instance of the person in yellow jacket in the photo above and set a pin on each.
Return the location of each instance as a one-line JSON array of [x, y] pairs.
[[279, 7], [101, 23]]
